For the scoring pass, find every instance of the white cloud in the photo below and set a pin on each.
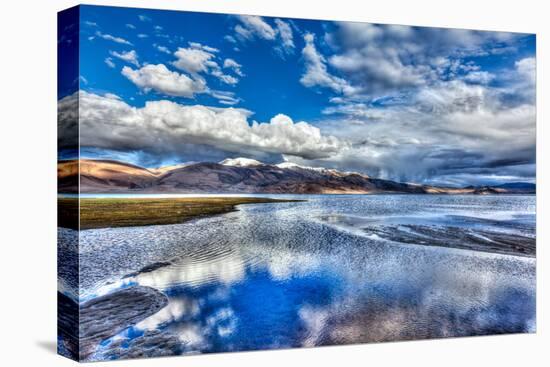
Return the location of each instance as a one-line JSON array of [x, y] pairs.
[[142, 35], [417, 110], [316, 73], [161, 80], [243, 33], [255, 26], [382, 67], [168, 126], [225, 98], [224, 78], [384, 59], [234, 65], [420, 112], [200, 59], [144, 18], [109, 62], [193, 60], [479, 77], [359, 111], [130, 56], [110, 37], [130, 25], [285, 33], [230, 39], [524, 80], [163, 49], [203, 47], [111, 96], [527, 68], [450, 129]]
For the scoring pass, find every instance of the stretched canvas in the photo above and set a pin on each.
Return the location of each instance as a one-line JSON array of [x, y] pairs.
[[237, 182]]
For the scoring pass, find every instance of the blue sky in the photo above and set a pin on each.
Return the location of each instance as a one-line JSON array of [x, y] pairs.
[[418, 104], [276, 72]]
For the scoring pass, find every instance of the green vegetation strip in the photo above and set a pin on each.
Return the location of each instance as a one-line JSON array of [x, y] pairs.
[[128, 212]]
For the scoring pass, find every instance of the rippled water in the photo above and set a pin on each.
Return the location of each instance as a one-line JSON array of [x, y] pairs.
[[332, 270]]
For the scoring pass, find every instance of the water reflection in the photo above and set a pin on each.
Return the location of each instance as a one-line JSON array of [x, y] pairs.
[[277, 276]]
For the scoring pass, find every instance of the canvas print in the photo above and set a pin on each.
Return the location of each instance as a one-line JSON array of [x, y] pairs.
[[237, 182]]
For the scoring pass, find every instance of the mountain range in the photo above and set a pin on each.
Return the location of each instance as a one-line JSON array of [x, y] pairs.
[[244, 176]]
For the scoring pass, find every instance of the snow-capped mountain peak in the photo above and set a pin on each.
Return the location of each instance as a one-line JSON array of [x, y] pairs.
[[287, 164], [291, 165], [240, 162], [247, 162]]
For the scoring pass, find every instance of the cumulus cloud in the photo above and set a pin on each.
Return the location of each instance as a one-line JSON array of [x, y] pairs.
[[193, 60], [130, 57], [67, 122], [405, 103], [167, 127], [524, 80], [161, 80], [415, 106], [196, 61], [527, 68], [110, 37], [200, 46], [316, 73], [254, 27], [452, 132], [384, 59], [200, 59]]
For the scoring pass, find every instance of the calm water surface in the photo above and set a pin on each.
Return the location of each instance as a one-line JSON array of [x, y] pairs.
[[332, 270]]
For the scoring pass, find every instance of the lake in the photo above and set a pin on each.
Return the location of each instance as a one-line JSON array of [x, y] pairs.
[[336, 269]]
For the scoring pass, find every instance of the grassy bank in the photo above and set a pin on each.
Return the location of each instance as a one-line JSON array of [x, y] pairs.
[[128, 212]]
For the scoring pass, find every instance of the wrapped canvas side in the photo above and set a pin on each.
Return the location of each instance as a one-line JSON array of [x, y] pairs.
[[68, 343]]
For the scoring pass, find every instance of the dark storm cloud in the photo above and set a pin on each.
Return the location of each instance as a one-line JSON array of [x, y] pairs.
[[446, 127]]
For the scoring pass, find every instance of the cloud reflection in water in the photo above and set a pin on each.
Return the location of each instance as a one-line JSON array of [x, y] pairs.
[[269, 276]]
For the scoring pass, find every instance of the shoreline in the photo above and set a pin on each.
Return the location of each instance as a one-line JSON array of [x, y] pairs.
[[95, 213]]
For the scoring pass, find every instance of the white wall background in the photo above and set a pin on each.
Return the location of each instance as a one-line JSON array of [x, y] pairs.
[[28, 181]]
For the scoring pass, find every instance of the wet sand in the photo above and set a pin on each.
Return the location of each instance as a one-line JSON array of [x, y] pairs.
[[105, 316], [459, 238]]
